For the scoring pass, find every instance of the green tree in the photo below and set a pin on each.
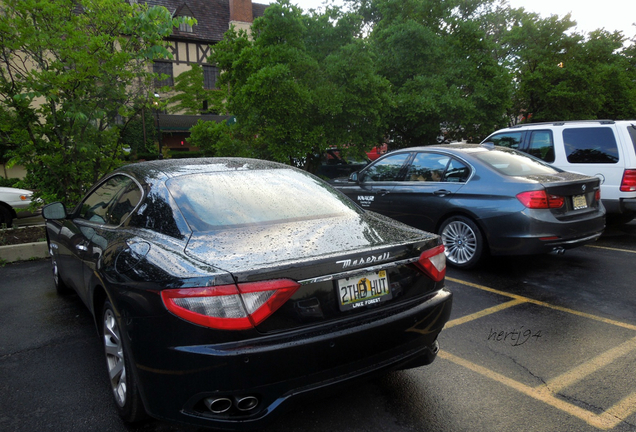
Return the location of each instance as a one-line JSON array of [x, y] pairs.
[[440, 61], [191, 97], [299, 84], [70, 71], [564, 75]]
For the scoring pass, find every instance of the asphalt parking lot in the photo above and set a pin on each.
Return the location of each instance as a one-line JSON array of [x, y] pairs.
[[542, 343]]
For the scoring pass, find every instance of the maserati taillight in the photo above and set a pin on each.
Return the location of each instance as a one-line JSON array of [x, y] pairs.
[[433, 263], [229, 307]]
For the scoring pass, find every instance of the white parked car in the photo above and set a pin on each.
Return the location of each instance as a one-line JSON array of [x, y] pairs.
[[14, 203], [601, 148]]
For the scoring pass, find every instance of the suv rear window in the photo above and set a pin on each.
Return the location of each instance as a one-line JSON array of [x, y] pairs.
[[217, 200], [590, 145]]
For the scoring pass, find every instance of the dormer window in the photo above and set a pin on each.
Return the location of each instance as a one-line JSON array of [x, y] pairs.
[[184, 12], [185, 27]]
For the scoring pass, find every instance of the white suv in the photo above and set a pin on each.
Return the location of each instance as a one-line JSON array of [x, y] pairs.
[[602, 148]]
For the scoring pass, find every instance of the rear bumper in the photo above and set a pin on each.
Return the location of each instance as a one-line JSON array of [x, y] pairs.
[[628, 205], [281, 369], [528, 234]]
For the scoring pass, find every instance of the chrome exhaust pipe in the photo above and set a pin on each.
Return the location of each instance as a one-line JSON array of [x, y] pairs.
[[218, 405], [558, 251], [245, 403]]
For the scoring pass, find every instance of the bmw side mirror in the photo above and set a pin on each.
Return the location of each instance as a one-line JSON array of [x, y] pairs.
[[54, 211], [353, 177]]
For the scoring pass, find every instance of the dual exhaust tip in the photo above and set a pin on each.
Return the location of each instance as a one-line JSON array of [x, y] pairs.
[[220, 405]]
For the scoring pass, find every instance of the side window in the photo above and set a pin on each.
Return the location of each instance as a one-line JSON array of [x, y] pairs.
[[111, 202], [386, 169], [508, 139], [542, 145], [126, 203], [590, 145], [456, 172], [427, 167]]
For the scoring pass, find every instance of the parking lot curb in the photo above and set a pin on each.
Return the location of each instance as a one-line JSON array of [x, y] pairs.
[[23, 252]]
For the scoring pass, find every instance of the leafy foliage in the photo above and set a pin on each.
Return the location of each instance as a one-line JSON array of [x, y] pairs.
[[71, 70], [301, 83], [562, 75]]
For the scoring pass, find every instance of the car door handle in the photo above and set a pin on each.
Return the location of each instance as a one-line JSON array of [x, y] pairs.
[[383, 192], [442, 192]]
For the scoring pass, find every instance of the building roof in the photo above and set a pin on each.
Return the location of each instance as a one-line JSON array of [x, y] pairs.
[[183, 123], [213, 17]]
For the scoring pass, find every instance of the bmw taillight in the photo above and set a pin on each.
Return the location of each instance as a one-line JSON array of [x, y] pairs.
[[540, 199], [433, 263], [229, 307], [629, 181]]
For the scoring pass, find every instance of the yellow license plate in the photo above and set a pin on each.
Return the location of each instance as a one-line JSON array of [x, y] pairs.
[[579, 202], [363, 290]]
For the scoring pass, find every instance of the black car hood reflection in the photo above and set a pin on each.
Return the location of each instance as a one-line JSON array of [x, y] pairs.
[[249, 248]]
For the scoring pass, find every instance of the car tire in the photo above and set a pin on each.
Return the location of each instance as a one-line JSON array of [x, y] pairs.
[[6, 218], [121, 375], [463, 242], [60, 286]]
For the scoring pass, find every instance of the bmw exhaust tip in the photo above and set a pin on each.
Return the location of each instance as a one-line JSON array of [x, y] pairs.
[[218, 405], [246, 403], [558, 251]]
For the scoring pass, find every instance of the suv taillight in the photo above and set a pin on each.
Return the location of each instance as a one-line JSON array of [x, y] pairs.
[[540, 200], [229, 307], [433, 263], [629, 181]]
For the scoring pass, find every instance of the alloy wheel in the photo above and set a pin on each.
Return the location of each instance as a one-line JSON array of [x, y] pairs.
[[460, 242], [115, 357]]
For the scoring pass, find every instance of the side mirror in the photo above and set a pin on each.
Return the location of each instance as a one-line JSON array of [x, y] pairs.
[[353, 177], [54, 211]]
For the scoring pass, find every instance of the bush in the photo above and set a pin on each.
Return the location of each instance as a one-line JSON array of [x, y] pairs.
[[10, 182]]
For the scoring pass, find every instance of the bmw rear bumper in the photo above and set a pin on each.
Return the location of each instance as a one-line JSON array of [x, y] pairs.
[[277, 370], [530, 233]]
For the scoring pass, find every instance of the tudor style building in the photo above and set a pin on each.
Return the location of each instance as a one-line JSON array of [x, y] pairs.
[[191, 45]]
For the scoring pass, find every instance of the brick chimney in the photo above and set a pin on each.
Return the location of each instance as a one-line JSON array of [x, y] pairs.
[[241, 11]]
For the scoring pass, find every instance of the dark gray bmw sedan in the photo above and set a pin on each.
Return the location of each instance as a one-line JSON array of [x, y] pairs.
[[481, 199]]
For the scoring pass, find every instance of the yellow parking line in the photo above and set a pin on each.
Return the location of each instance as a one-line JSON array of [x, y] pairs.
[[548, 305], [624, 408], [606, 420], [591, 366], [612, 249], [483, 313], [547, 393]]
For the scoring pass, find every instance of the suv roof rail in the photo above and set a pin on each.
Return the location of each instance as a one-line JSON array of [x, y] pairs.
[[561, 123]]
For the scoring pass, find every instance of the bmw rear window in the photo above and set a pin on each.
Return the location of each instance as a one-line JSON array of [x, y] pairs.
[[514, 163], [218, 200]]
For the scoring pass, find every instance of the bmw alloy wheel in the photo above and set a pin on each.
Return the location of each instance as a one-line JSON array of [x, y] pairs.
[[462, 241]]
